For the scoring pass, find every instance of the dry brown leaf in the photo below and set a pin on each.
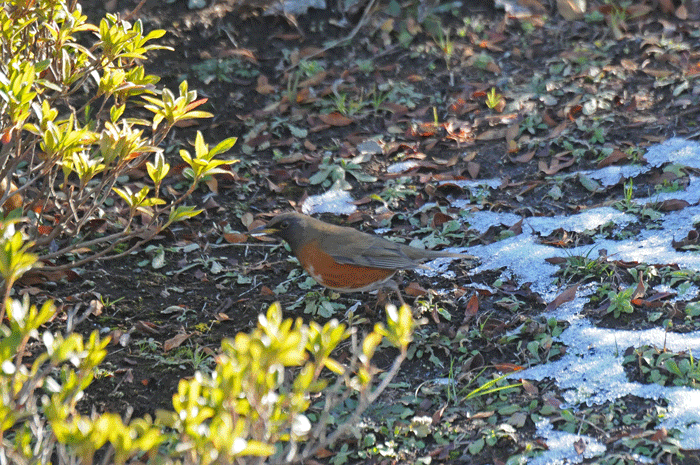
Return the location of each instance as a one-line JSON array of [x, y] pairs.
[[524, 158], [472, 307], [96, 307], [556, 131], [614, 157], [241, 52], [671, 205], [571, 10], [314, 80], [146, 327], [235, 238], [512, 131], [507, 367], [566, 296], [415, 290], [637, 10], [629, 65], [667, 6], [682, 12], [335, 119], [640, 290], [473, 169], [263, 86], [659, 435], [212, 184], [493, 67], [556, 165], [534, 6], [492, 134], [440, 218], [175, 341], [658, 73], [529, 387], [517, 228], [247, 219]]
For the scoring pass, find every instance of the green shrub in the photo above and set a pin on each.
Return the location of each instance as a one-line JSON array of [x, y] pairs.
[[255, 406], [78, 114]]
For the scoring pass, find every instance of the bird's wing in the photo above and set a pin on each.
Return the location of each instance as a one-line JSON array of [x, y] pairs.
[[373, 251]]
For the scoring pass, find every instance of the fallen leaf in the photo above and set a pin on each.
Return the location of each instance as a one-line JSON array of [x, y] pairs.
[[671, 205], [335, 119], [682, 12], [507, 367], [667, 6], [415, 290], [571, 10], [247, 219], [263, 87], [147, 327], [614, 157], [314, 80], [590, 184], [175, 341], [473, 169], [659, 435], [641, 289], [524, 158], [566, 296], [529, 387], [472, 307], [235, 238], [266, 291]]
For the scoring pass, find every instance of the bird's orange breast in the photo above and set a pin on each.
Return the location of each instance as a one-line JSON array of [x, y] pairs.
[[342, 277]]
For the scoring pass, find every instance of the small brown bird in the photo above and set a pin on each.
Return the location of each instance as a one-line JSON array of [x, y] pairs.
[[344, 259]]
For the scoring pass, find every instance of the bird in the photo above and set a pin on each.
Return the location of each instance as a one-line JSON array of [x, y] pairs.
[[344, 259]]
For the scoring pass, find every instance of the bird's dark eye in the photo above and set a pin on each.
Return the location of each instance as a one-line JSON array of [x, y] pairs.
[[284, 224]]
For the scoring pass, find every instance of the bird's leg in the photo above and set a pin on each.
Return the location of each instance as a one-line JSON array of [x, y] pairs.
[[391, 284]]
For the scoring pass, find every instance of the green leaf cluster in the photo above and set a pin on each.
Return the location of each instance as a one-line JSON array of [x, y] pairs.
[[255, 404], [74, 126]]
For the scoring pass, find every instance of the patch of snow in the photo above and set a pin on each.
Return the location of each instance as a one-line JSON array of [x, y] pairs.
[[401, 167], [611, 175], [334, 201], [675, 150], [591, 371], [587, 220], [560, 446]]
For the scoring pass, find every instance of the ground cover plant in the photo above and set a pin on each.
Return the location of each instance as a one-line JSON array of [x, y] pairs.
[[541, 139]]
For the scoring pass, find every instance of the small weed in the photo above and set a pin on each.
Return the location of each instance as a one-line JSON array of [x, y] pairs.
[[106, 302], [495, 101], [621, 302], [585, 269], [397, 190], [345, 106], [365, 66], [293, 86], [333, 172], [310, 67], [664, 367], [445, 44], [667, 187], [597, 135], [532, 123], [224, 70], [487, 386]]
